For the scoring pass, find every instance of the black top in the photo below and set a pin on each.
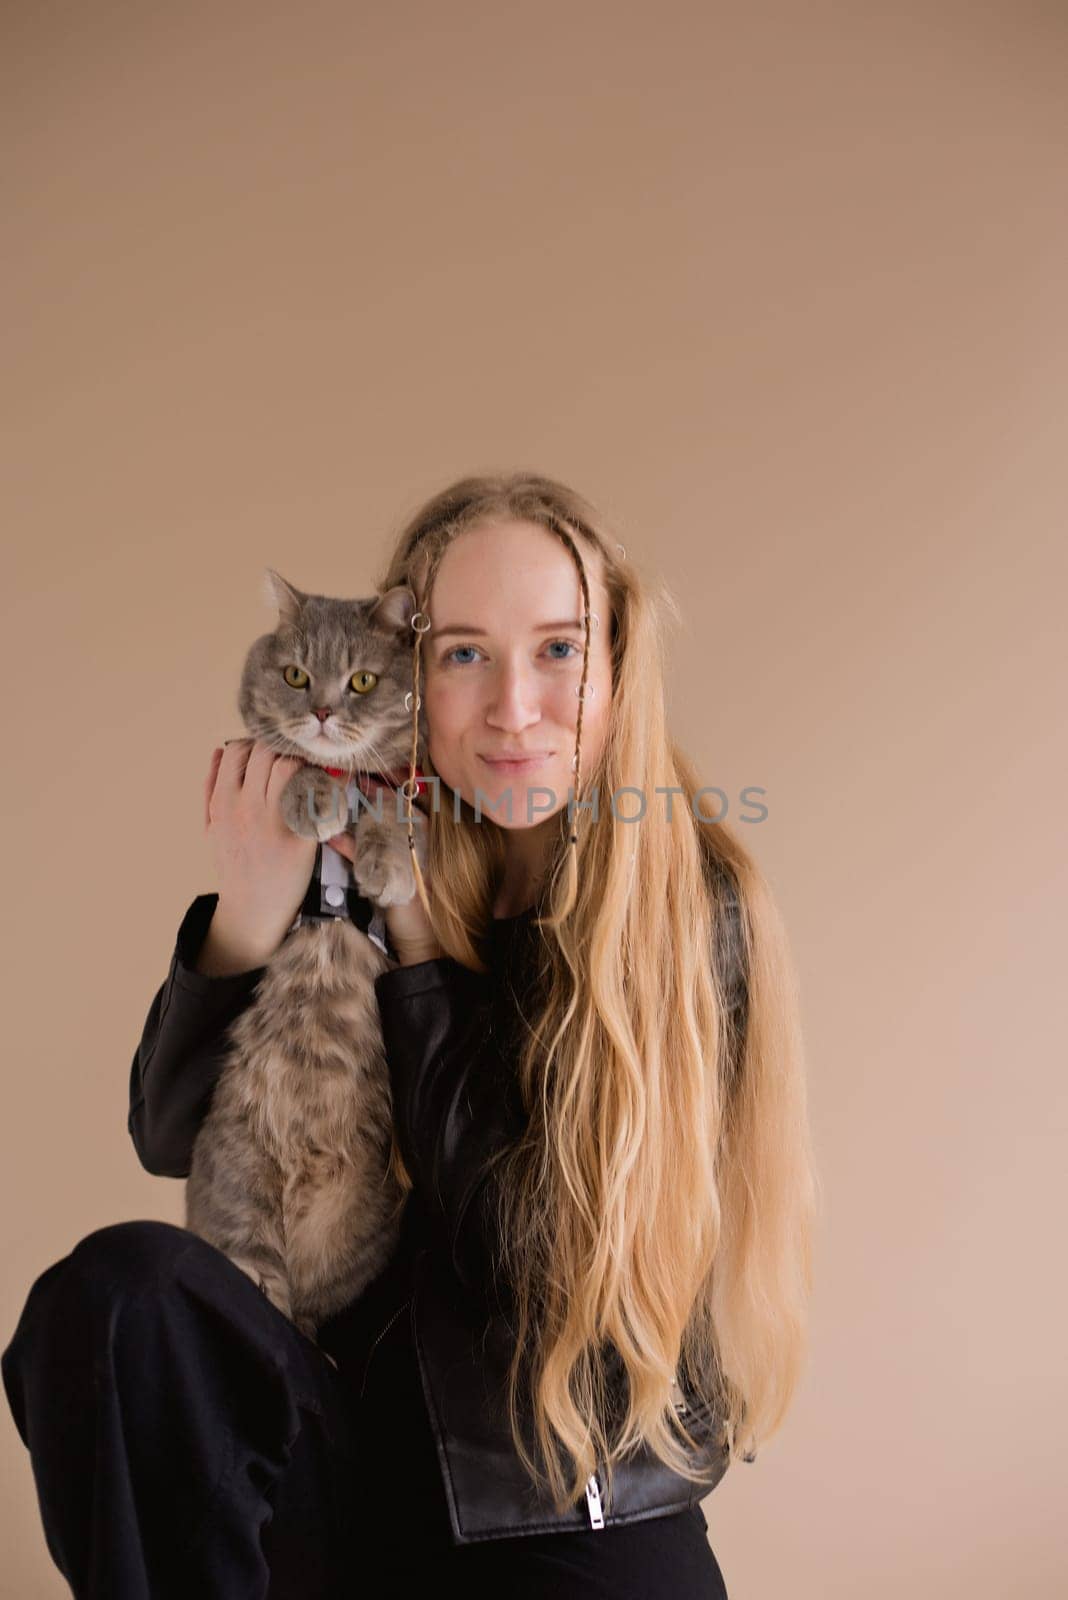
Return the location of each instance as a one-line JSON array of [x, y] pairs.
[[402, 1487]]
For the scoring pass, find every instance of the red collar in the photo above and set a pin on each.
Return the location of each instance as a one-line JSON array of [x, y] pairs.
[[380, 780]]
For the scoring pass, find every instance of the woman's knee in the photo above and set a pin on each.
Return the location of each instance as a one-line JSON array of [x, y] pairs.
[[145, 1258], [135, 1291], [129, 1253], [116, 1263], [70, 1307]]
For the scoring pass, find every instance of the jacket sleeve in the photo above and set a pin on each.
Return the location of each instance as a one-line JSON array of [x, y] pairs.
[[182, 1048], [456, 1101]]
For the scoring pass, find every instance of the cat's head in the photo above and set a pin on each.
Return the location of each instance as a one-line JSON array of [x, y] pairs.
[[329, 683]]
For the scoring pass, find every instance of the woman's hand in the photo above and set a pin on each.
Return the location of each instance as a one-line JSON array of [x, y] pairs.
[[263, 869], [410, 932]]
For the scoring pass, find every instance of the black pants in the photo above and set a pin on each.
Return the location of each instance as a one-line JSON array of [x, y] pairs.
[[186, 1439]]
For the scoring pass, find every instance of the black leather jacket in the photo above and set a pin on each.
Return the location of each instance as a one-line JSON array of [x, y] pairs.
[[455, 1101]]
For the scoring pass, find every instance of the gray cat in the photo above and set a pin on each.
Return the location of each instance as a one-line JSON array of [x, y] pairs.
[[291, 1174]]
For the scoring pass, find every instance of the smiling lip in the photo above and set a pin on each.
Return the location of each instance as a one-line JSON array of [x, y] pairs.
[[517, 763]]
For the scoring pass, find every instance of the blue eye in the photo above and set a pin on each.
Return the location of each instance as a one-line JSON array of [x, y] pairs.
[[571, 648]]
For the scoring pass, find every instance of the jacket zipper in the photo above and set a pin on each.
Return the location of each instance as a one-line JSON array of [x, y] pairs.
[[593, 1501], [593, 1488], [378, 1339]]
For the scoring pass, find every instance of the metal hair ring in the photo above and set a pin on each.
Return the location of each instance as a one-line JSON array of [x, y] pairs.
[[408, 701], [403, 789], [594, 618], [425, 618], [622, 551], [584, 691]]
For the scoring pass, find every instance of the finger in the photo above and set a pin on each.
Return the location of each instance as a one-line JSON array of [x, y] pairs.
[[343, 844], [279, 775], [258, 772], [232, 767], [209, 783]]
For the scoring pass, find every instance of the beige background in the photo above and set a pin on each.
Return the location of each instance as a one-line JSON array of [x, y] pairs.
[[783, 291]]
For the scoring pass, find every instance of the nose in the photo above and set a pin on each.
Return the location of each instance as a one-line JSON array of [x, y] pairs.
[[322, 712], [514, 699]]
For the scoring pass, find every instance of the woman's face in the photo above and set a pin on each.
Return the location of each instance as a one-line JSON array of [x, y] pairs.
[[502, 660]]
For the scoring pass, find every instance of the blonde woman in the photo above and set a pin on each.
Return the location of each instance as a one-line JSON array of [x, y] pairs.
[[600, 1295]]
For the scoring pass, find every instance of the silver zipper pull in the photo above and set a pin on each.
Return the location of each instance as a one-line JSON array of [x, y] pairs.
[[593, 1501]]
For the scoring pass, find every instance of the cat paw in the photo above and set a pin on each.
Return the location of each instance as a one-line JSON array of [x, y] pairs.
[[271, 1287], [314, 805], [381, 865]]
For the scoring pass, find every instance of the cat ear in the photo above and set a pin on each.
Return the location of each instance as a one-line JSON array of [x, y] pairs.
[[289, 601], [395, 609]]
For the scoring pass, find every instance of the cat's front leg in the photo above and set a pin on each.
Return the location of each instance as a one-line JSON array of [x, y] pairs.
[[315, 805], [271, 1280], [269, 1275], [381, 861]]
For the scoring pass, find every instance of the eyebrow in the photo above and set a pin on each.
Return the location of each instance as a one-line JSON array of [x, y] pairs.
[[540, 627]]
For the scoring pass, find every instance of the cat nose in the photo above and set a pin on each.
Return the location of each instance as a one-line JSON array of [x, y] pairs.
[[322, 712]]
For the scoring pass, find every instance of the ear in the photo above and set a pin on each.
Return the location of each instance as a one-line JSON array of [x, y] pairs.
[[288, 600], [395, 610]]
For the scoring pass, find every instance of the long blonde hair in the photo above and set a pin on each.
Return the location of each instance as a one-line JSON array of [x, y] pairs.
[[660, 1206]]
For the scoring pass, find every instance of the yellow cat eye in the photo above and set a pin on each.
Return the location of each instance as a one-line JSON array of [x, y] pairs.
[[362, 681], [296, 677]]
